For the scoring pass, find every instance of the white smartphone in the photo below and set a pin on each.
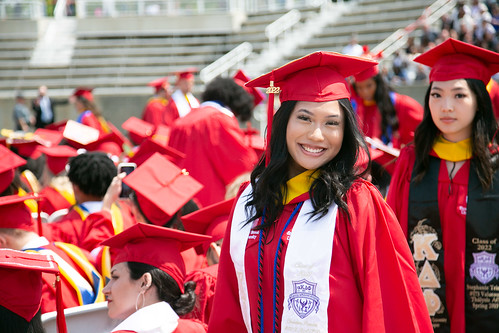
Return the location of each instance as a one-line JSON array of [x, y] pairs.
[[126, 168]]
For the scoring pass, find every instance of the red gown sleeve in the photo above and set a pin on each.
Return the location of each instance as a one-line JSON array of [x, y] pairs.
[[398, 192], [226, 314], [190, 326], [410, 113], [392, 300], [206, 280]]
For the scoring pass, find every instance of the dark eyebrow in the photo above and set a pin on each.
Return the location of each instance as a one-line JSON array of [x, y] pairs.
[[311, 114], [453, 89]]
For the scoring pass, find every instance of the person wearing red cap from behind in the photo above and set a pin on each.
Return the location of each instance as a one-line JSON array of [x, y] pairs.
[[211, 221], [90, 175], [88, 113], [311, 245], [182, 96], [81, 283], [21, 288], [147, 289], [445, 190], [384, 115], [160, 109], [57, 193], [212, 141]]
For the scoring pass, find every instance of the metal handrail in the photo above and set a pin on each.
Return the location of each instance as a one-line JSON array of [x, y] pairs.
[[396, 40], [226, 62], [281, 25]]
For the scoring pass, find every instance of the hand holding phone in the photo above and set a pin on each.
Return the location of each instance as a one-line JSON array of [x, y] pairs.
[[126, 168]]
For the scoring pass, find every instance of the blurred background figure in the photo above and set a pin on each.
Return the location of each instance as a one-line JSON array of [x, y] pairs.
[[44, 107], [23, 119], [183, 97]]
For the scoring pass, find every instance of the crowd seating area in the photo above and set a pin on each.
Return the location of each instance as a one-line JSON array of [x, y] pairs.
[[123, 63]]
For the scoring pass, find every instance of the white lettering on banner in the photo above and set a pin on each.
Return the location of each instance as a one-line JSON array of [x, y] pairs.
[[427, 277], [422, 247], [432, 301]]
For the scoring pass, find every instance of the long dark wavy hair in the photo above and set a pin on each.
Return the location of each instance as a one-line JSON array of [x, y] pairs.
[[385, 105], [167, 287], [483, 130], [333, 179]]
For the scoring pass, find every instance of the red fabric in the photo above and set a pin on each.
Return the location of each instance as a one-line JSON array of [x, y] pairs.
[[373, 282], [215, 150], [192, 260], [206, 280], [190, 326], [69, 296], [87, 234], [171, 113], [409, 113], [160, 111], [53, 200], [493, 89], [452, 201], [91, 120]]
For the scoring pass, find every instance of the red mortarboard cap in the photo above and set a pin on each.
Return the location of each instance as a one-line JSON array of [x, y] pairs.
[[211, 221], [25, 148], [84, 92], [14, 214], [162, 134], [57, 126], [110, 143], [187, 73], [156, 246], [371, 71], [454, 60], [47, 137], [57, 157], [161, 83], [21, 283], [241, 78], [8, 163], [151, 146], [138, 129], [317, 77], [161, 188]]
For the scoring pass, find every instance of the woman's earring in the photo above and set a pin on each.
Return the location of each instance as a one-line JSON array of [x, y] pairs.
[[137, 300]]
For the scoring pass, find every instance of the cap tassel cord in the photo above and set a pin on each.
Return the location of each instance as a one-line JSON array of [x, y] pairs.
[[61, 319], [271, 91]]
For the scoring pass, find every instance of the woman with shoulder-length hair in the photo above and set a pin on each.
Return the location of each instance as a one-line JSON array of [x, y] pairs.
[[310, 245], [445, 191], [147, 289]]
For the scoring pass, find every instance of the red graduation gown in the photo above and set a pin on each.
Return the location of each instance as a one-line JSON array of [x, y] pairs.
[[215, 148], [88, 232], [372, 280], [452, 202], [409, 113], [206, 280]]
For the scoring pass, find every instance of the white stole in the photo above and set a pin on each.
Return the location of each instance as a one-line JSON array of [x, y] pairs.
[[184, 106], [306, 267]]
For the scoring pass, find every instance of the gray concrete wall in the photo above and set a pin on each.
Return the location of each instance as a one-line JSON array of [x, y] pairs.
[[221, 23], [117, 109]]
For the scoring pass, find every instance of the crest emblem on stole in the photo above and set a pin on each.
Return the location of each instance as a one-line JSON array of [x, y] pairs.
[[484, 269], [303, 299]]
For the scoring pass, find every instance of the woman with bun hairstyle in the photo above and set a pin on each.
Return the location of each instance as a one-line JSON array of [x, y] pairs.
[[147, 290]]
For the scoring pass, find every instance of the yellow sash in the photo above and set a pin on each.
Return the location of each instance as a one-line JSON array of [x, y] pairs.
[[116, 217], [299, 184], [453, 151], [31, 203]]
